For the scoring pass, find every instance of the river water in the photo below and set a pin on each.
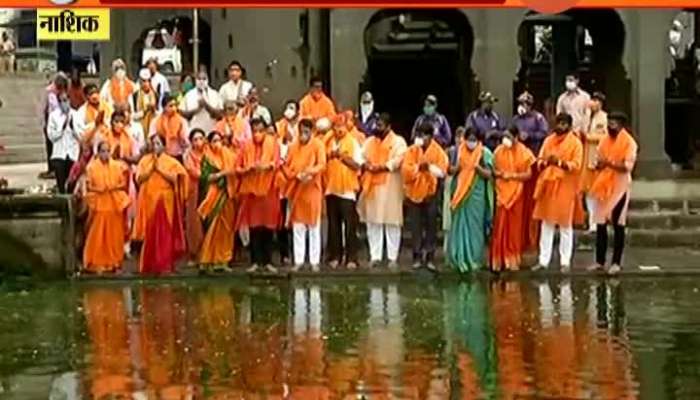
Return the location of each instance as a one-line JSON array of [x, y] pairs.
[[352, 339]]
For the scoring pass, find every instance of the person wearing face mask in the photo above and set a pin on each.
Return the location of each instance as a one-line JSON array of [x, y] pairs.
[[107, 202], [315, 104], [513, 163], [486, 121], [288, 125], [442, 131], [119, 88], [51, 103], [597, 129], [236, 87], [302, 173], [344, 156], [65, 138], [172, 129], [144, 101], [471, 205], [532, 125], [194, 233], [424, 164], [574, 101], [367, 117], [233, 126], [218, 210], [256, 110], [202, 106], [92, 119], [532, 129], [617, 154], [159, 224], [556, 194], [381, 197], [259, 211], [186, 84], [452, 155]]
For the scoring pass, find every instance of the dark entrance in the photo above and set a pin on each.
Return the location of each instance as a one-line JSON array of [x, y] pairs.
[[589, 42], [413, 53]]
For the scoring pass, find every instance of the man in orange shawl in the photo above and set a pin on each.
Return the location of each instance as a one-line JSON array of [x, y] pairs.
[[93, 117], [218, 210], [107, 202], [162, 184], [513, 167], [303, 169], [556, 193], [381, 199], [617, 153], [316, 105], [344, 156], [260, 201], [172, 129], [119, 88], [424, 164], [233, 126]]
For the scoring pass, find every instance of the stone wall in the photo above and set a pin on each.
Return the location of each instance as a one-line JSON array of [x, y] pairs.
[[36, 235]]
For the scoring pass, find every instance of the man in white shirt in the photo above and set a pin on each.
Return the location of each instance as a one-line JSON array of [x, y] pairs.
[[574, 101], [159, 83], [202, 105], [257, 110], [62, 133], [236, 87]]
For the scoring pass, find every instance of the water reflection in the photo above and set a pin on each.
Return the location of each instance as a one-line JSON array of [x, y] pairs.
[[337, 340]]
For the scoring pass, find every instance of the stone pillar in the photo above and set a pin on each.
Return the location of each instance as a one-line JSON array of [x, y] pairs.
[[648, 41], [496, 59]]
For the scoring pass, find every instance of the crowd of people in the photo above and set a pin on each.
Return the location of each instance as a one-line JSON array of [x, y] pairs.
[[198, 174]]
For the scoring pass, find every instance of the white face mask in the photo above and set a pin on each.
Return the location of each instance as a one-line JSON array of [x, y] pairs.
[[290, 113], [571, 85], [202, 84], [419, 141], [508, 142], [120, 74], [471, 144], [522, 110], [366, 108]]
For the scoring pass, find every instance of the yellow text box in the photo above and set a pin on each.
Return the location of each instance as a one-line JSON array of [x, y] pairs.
[[72, 24]]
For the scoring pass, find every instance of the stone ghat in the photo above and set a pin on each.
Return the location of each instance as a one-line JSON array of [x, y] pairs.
[[37, 238]]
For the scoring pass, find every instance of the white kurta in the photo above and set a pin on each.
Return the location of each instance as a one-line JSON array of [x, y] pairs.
[[386, 204]]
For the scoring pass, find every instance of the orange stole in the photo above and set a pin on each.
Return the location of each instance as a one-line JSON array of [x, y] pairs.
[[316, 109], [305, 198], [282, 126], [90, 116], [107, 202], [616, 150], [120, 90], [468, 160], [122, 141], [157, 189], [516, 160], [259, 183], [339, 178], [419, 185], [556, 191], [169, 128], [377, 152], [231, 127]]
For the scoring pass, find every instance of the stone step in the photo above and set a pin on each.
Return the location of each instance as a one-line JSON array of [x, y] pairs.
[[663, 220], [22, 154], [28, 138], [680, 204], [650, 238]]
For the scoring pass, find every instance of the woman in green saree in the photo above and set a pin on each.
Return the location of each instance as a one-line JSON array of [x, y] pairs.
[[472, 205]]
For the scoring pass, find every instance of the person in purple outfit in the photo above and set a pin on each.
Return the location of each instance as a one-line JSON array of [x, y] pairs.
[[486, 122], [442, 133], [531, 124]]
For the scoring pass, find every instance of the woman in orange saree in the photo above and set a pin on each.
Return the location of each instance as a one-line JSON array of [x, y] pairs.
[[162, 184], [218, 210], [194, 233], [107, 202]]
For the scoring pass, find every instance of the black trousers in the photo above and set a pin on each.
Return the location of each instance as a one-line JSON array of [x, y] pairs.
[[62, 170], [423, 224], [284, 244], [601, 243], [341, 212], [261, 245], [49, 151]]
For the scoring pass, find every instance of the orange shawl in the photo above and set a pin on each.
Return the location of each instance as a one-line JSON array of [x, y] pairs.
[[516, 160], [120, 91], [90, 116], [417, 184], [231, 126], [282, 125], [563, 148], [305, 197], [169, 127], [223, 160], [122, 141], [617, 150], [316, 109], [339, 178], [468, 160], [377, 152], [255, 182]]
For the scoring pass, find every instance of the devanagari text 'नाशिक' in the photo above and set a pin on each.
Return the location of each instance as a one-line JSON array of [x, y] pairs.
[[68, 21]]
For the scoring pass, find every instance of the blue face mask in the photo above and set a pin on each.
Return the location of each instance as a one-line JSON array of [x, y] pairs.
[[429, 110]]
